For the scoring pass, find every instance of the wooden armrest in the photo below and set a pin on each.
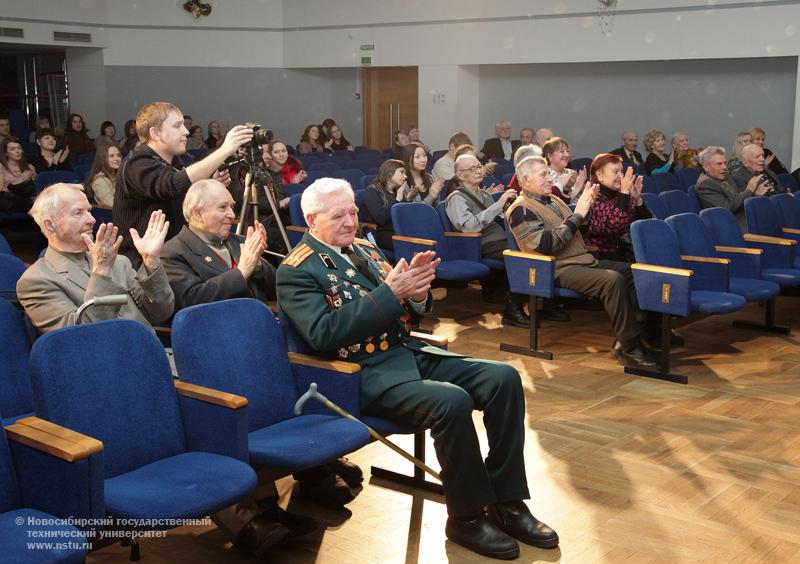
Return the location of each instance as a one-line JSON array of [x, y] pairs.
[[536, 256], [429, 242], [296, 228], [210, 395], [791, 230], [741, 250], [706, 259], [662, 269], [767, 239], [335, 365], [163, 330], [53, 439], [436, 340], [460, 234]]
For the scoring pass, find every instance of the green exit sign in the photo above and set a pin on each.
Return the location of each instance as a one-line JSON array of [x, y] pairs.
[[366, 60]]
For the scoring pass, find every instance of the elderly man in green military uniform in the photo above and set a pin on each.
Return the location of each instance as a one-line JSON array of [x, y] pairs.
[[345, 301]]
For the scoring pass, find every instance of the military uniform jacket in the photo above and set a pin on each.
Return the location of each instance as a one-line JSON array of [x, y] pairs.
[[342, 314]]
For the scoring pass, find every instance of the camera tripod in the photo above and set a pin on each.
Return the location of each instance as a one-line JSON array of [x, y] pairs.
[[254, 179]]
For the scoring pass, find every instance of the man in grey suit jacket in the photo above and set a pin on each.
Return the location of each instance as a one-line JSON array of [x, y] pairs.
[[77, 268], [205, 262], [714, 190]]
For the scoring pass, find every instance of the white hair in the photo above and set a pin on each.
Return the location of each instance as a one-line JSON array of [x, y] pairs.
[[500, 124], [195, 196], [526, 165], [312, 200], [525, 151], [709, 152], [48, 201]]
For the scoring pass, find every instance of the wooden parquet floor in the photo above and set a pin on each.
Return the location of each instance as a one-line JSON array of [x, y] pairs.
[[626, 469]]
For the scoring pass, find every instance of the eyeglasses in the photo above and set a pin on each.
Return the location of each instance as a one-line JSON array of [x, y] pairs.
[[476, 168]]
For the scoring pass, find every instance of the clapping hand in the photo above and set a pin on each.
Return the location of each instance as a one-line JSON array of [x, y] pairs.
[[103, 248], [254, 244], [636, 188], [149, 245], [436, 186], [587, 198], [495, 188], [489, 167], [627, 181], [413, 280]]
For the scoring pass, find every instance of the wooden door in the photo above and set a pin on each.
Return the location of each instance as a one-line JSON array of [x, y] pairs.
[[390, 103]]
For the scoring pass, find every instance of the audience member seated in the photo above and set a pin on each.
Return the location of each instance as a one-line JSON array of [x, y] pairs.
[[685, 156], [618, 204], [657, 161], [543, 135], [567, 183], [17, 186], [413, 137], [215, 135], [289, 167], [107, 135], [76, 137], [48, 158], [42, 122], [103, 176], [473, 210], [759, 136], [205, 262], [379, 198], [735, 162], [523, 152], [408, 382], [445, 166], [310, 141], [275, 242], [627, 152], [5, 127], [337, 140], [714, 190], [545, 225], [195, 140], [526, 137], [420, 186], [754, 164], [131, 140], [401, 139], [77, 268], [500, 147], [187, 121], [488, 169]]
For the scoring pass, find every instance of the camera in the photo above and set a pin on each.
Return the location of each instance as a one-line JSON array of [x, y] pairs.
[[261, 137]]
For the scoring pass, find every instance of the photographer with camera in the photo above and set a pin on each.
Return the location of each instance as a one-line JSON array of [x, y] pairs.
[[152, 177]]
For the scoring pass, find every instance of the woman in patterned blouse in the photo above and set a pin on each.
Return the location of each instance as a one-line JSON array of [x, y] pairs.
[[618, 204]]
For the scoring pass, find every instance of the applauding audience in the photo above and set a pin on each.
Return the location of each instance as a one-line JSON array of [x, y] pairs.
[[735, 162], [567, 183], [754, 164], [627, 152], [685, 156], [759, 136], [714, 190], [420, 187], [76, 137], [502, 146], [310, 141], [17, 187], [379, 198], [289, 167], [48, 158], [657, 161]]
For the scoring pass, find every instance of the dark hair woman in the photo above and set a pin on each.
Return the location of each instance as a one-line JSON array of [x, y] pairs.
[[17, 187], [76, 136], [421, 187], [381, 195]]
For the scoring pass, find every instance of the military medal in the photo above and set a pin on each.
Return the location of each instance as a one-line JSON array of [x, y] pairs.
[[384, 344], [347, 295], [333, 277], [354, 348], [370, 346], [350, 273], [343, 353], [207, 259]]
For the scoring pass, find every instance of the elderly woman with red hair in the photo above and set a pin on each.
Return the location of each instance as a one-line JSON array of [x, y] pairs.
[[618, 204]]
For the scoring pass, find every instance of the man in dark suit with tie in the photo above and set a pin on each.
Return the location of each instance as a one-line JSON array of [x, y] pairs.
[[627, 152], [500, 147], [345, 301]]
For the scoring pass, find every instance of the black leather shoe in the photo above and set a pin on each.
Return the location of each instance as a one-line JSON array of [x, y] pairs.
[[635, 357], [515, 315], [514, 518], [329, 491], [479, 535], [556, 313], [298, 525], [347, 471], [259, 535]]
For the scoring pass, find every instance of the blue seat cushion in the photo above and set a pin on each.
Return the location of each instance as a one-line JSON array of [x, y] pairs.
[[461, 270], [14, 539], [567, 293], [388, 427], [753, 290], [782, 276], [305, 441], [713, 303], [190, 484]]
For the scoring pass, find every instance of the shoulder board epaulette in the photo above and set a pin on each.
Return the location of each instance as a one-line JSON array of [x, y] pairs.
[[364, 243], [298, 255]]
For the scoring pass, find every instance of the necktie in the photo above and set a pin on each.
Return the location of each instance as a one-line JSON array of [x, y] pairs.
[[360, 264]]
